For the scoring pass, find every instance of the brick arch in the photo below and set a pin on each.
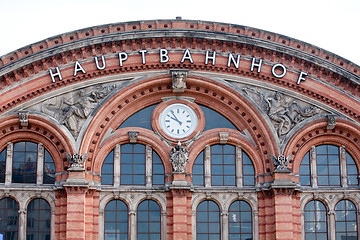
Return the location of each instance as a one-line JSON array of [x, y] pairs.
[[316, 133], [205, 91], [211, 137], [40, 131], [121, 137]]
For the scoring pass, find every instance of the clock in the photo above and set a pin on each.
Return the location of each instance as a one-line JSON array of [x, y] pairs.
[[178, 120]]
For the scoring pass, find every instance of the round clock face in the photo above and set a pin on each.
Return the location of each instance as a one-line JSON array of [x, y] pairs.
[[178, 120]]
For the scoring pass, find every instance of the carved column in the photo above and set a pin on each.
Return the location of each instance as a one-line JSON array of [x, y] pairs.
[[207, 166], [148, 164], [22, 224], [132, 225], [117, 165], [9, 163], [331, 224], [225, 225], [343, 167], [239, 169], [40, 164], [313, 168]]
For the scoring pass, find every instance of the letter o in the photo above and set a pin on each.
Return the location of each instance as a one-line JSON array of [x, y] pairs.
[[278, 75]]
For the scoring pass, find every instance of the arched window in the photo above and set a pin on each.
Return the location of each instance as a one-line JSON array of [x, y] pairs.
[[148, 220], [24, 162], [240, 221], [38, 220], [132, 164], [230, 166], [9, 219], [322, 166], [315, 221], [208, 221], [116, 220], [345, 220], [157, 169]]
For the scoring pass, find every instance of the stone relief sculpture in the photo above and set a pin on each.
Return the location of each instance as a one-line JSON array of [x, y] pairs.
[[179, 80], [281, 163], [283, 111], [179, 156], [76, 161], [72, 109]]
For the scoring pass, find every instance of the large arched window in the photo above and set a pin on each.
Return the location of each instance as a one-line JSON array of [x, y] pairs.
[[322, 166], [240, 221], [345, 220], [148, 220], [9, 219], [315, 221], [208, 221], [38, 220], [116, 220], [230, 166]]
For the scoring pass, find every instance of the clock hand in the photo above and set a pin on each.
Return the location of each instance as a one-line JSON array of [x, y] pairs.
[[175, 118]]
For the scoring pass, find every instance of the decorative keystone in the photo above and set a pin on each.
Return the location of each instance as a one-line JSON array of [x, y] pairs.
[[224, 137], [179, 79], [24, 119], [133, 136], [331, 121]]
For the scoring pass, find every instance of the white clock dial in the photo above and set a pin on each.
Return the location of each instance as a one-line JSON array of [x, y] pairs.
[[178, 120]]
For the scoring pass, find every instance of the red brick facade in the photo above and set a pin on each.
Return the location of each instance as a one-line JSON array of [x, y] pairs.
[[324, 86]]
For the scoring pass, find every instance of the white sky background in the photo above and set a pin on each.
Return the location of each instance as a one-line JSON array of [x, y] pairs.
[[333, 25]]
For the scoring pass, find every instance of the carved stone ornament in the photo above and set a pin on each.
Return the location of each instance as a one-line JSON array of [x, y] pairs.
[[133, 136], [76, 161], [179, 80], [281, 163], [331, 121], [284, 112], [24, 119], [73, 108], [224, 137], [179, 156]]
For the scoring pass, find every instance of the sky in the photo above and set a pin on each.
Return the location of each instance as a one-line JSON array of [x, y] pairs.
[[333, 25]]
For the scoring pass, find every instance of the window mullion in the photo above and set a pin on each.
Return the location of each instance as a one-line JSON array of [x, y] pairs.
[[313, 167], [40, 164], [343, 167], [239, 169], [117, 165], [207, 166], [9, 162], [148, 165]]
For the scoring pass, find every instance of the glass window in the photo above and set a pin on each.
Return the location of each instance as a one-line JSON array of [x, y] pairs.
[[132, 164], [141, 118], [107, 170], [304, 171], [24, 162], [2, 165], [215, 119], [328, 165], [345, 220], [49, 169], [9, 218], [240, 221], [248, 170], [158, 170], [198, 170], [208, 221], [148, 220], [38, 220], [352, 171], [315, 221], [223, 165], [116, 220]]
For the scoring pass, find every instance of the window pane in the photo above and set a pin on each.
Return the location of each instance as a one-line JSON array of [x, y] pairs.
[[315, 220], [2, 165], [148, 220], [223, 165], [24, 162], [107, 170], [352, 171], [132, 164], [345, 220], [140, 119], [49, 169], [240, 220]]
